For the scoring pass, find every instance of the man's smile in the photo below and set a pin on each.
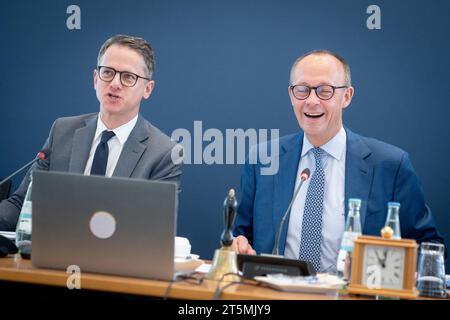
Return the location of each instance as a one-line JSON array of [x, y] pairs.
[[314, 114]]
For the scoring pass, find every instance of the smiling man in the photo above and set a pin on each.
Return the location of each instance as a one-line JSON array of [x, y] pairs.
[[117, 141], [343, 165]]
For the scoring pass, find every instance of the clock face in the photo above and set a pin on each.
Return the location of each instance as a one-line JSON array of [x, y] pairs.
[[383, 267]]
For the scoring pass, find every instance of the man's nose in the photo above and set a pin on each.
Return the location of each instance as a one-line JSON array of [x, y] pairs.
[[313, 99], [115, 82]]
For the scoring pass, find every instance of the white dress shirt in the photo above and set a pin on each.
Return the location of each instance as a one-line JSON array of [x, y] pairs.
[[333, 219], [115, 144]]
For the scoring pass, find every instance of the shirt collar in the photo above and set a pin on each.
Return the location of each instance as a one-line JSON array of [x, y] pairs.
[[335, 147], [122, 133]]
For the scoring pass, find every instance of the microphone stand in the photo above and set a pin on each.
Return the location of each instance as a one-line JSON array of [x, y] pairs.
[[17, 171], [42, 155], [254, 265], [276, 249]]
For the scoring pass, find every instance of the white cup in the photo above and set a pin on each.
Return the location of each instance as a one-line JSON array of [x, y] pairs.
[[182, 247]]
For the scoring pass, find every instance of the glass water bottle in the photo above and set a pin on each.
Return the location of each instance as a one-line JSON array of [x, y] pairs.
[[351, 232]]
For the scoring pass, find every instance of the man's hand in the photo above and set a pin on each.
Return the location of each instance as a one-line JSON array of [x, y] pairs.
[[241, 245]]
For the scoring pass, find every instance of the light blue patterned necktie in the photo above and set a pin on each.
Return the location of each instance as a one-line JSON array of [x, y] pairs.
[[311, 237]]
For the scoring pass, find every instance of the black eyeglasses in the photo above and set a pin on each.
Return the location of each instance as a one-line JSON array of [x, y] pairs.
[[323, 92], [128, 79]]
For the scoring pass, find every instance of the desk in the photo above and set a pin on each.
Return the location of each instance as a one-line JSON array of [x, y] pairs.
[[15, 269]]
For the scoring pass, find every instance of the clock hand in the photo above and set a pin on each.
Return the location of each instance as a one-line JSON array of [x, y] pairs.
[[381, 261], [385, 257]]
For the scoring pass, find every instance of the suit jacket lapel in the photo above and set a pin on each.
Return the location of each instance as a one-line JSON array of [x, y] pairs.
[[284, 183], [132, 150], [358, 173], [81, 145]]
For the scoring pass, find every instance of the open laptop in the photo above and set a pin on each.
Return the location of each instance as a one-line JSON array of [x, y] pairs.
[[104, 225]]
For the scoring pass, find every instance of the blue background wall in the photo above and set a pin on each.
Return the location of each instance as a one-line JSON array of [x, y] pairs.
[[227, 64]]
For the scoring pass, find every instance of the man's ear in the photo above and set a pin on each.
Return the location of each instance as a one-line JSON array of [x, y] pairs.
[[95, 76], [148, 89], [291, 96], [348, 96]]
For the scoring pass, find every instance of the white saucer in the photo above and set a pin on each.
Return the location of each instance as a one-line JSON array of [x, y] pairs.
[[189, 257], [188, 264]]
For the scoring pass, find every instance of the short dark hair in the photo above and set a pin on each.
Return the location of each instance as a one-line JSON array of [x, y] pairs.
[[347, 72], [137, 44]]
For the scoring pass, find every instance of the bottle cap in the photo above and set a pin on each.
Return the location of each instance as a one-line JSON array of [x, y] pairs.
[[393, 204], [354, 202]]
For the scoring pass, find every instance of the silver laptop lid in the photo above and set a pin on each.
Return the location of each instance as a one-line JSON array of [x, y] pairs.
[[107, 225]]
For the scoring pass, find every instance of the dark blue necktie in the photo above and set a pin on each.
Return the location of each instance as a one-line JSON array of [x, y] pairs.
[[101, 154], [311, 238]]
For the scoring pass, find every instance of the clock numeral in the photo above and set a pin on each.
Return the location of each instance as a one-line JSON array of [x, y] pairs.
[[374, 277]]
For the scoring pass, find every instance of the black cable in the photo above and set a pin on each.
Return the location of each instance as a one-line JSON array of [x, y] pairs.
[[169, 287], [183, 277], [219, 290]]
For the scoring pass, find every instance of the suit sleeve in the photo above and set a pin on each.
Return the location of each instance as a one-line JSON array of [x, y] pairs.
[[10, 208], [168, 170], [416, 219], [244, 218]]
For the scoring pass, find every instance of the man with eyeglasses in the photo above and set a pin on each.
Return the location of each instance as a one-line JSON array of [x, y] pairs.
[[343, 165], [117, 141]]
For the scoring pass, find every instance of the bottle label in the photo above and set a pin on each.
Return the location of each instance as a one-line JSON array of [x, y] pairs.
[[24, 224], [348, 239], [341, 261]]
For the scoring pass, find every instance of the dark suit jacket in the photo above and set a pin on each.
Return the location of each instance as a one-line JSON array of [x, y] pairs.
[[375, 172], [146, 155]]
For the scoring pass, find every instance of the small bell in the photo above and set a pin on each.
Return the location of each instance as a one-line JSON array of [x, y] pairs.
[[224, 266]]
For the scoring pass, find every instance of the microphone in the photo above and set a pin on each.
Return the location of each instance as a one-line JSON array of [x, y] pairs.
[[303, 177], [254, 265], [41, 155]]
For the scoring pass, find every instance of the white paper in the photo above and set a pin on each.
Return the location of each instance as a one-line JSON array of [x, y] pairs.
[[322, 283], [204, 268], [9, 235]]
